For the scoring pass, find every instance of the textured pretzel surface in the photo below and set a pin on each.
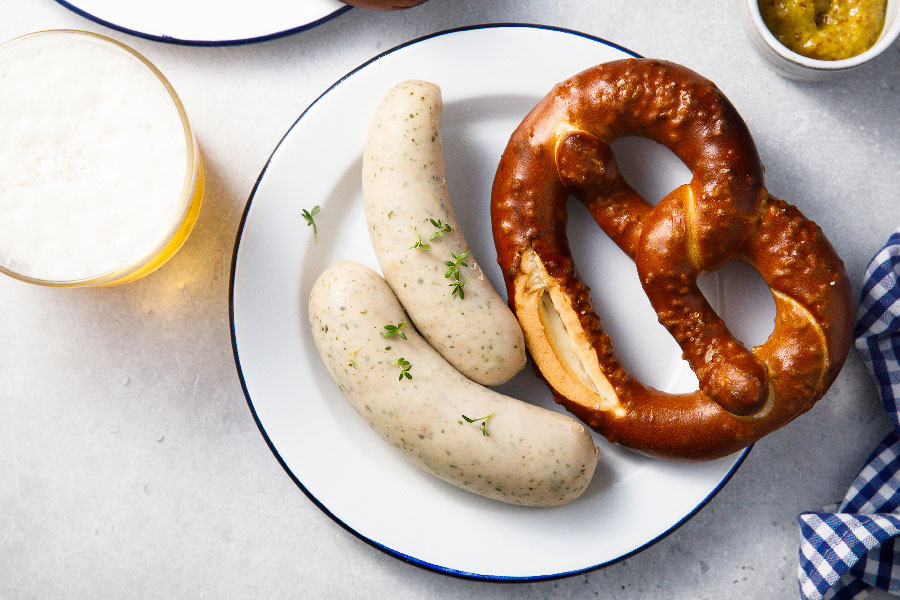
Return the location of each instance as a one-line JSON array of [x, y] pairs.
[[725, 212]]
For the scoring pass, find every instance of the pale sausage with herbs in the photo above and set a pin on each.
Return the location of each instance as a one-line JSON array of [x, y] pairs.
[[420, 247], [466, 434]]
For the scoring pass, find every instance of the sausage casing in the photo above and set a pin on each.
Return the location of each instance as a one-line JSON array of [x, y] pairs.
[[523, 454], [404, 189]]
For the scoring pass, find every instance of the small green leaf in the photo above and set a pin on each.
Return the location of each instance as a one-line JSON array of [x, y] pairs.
[[453, 272], [405, 366], [458, 289], [394, 330], [419, 243], [484, 422], [442, 229], [310, 220]]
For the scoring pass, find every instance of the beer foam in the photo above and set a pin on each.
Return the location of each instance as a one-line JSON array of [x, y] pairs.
[[93, 157]]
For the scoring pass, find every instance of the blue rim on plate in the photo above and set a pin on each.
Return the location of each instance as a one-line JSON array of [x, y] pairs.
[[392, 552], [183, 42]]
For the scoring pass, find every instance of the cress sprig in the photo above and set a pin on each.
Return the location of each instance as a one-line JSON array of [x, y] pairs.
[[458, 290], [453, 266], [310, 220], [405, 366], [419, 243], [442, 229], [394, 330], [484, 422]]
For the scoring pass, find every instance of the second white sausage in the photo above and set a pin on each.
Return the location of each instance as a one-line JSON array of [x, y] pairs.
[[511, 451]]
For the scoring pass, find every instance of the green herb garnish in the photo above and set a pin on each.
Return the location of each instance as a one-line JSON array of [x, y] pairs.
[[405, 366], [453, 265], [484, 422], [394, 330], [442, 229], [419, 243], [458, 289], [453, 273], [310, 220]]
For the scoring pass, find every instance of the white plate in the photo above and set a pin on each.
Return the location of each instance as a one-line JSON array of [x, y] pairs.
[[490, 77], [208, 22]]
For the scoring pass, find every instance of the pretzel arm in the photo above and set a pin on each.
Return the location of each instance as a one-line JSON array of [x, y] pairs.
[[667, 266], [809, 283], [588, 170]]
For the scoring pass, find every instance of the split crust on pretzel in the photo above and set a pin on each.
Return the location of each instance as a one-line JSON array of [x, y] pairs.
[[725, 212]]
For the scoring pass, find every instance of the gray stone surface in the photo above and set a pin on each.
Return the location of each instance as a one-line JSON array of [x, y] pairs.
[[130, 465]]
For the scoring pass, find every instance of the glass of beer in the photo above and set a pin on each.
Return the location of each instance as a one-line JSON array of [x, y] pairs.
[[100, 174]]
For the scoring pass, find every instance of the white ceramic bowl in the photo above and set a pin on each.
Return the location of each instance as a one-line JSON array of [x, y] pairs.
[[796, 66]]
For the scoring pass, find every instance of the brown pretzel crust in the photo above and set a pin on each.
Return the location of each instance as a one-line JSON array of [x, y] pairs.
[[562, 147]]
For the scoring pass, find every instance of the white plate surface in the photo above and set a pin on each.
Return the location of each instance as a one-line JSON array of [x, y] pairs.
[[207, 22], [490, 78]]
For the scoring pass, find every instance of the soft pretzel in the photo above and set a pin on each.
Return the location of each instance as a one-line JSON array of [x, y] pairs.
[[725, 212]]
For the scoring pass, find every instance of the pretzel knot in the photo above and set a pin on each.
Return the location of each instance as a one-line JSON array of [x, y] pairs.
[[725, 212]]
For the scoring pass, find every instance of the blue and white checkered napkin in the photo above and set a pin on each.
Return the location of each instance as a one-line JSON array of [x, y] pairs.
[[852, 546]]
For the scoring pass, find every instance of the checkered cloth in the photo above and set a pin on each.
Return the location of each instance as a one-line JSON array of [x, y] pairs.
[[848, 548]]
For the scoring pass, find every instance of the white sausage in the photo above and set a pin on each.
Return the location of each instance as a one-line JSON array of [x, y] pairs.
[[531, 456], [404, 186]]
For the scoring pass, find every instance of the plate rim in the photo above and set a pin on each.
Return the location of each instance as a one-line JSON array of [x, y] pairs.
[[189, 42], [377, 545]]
